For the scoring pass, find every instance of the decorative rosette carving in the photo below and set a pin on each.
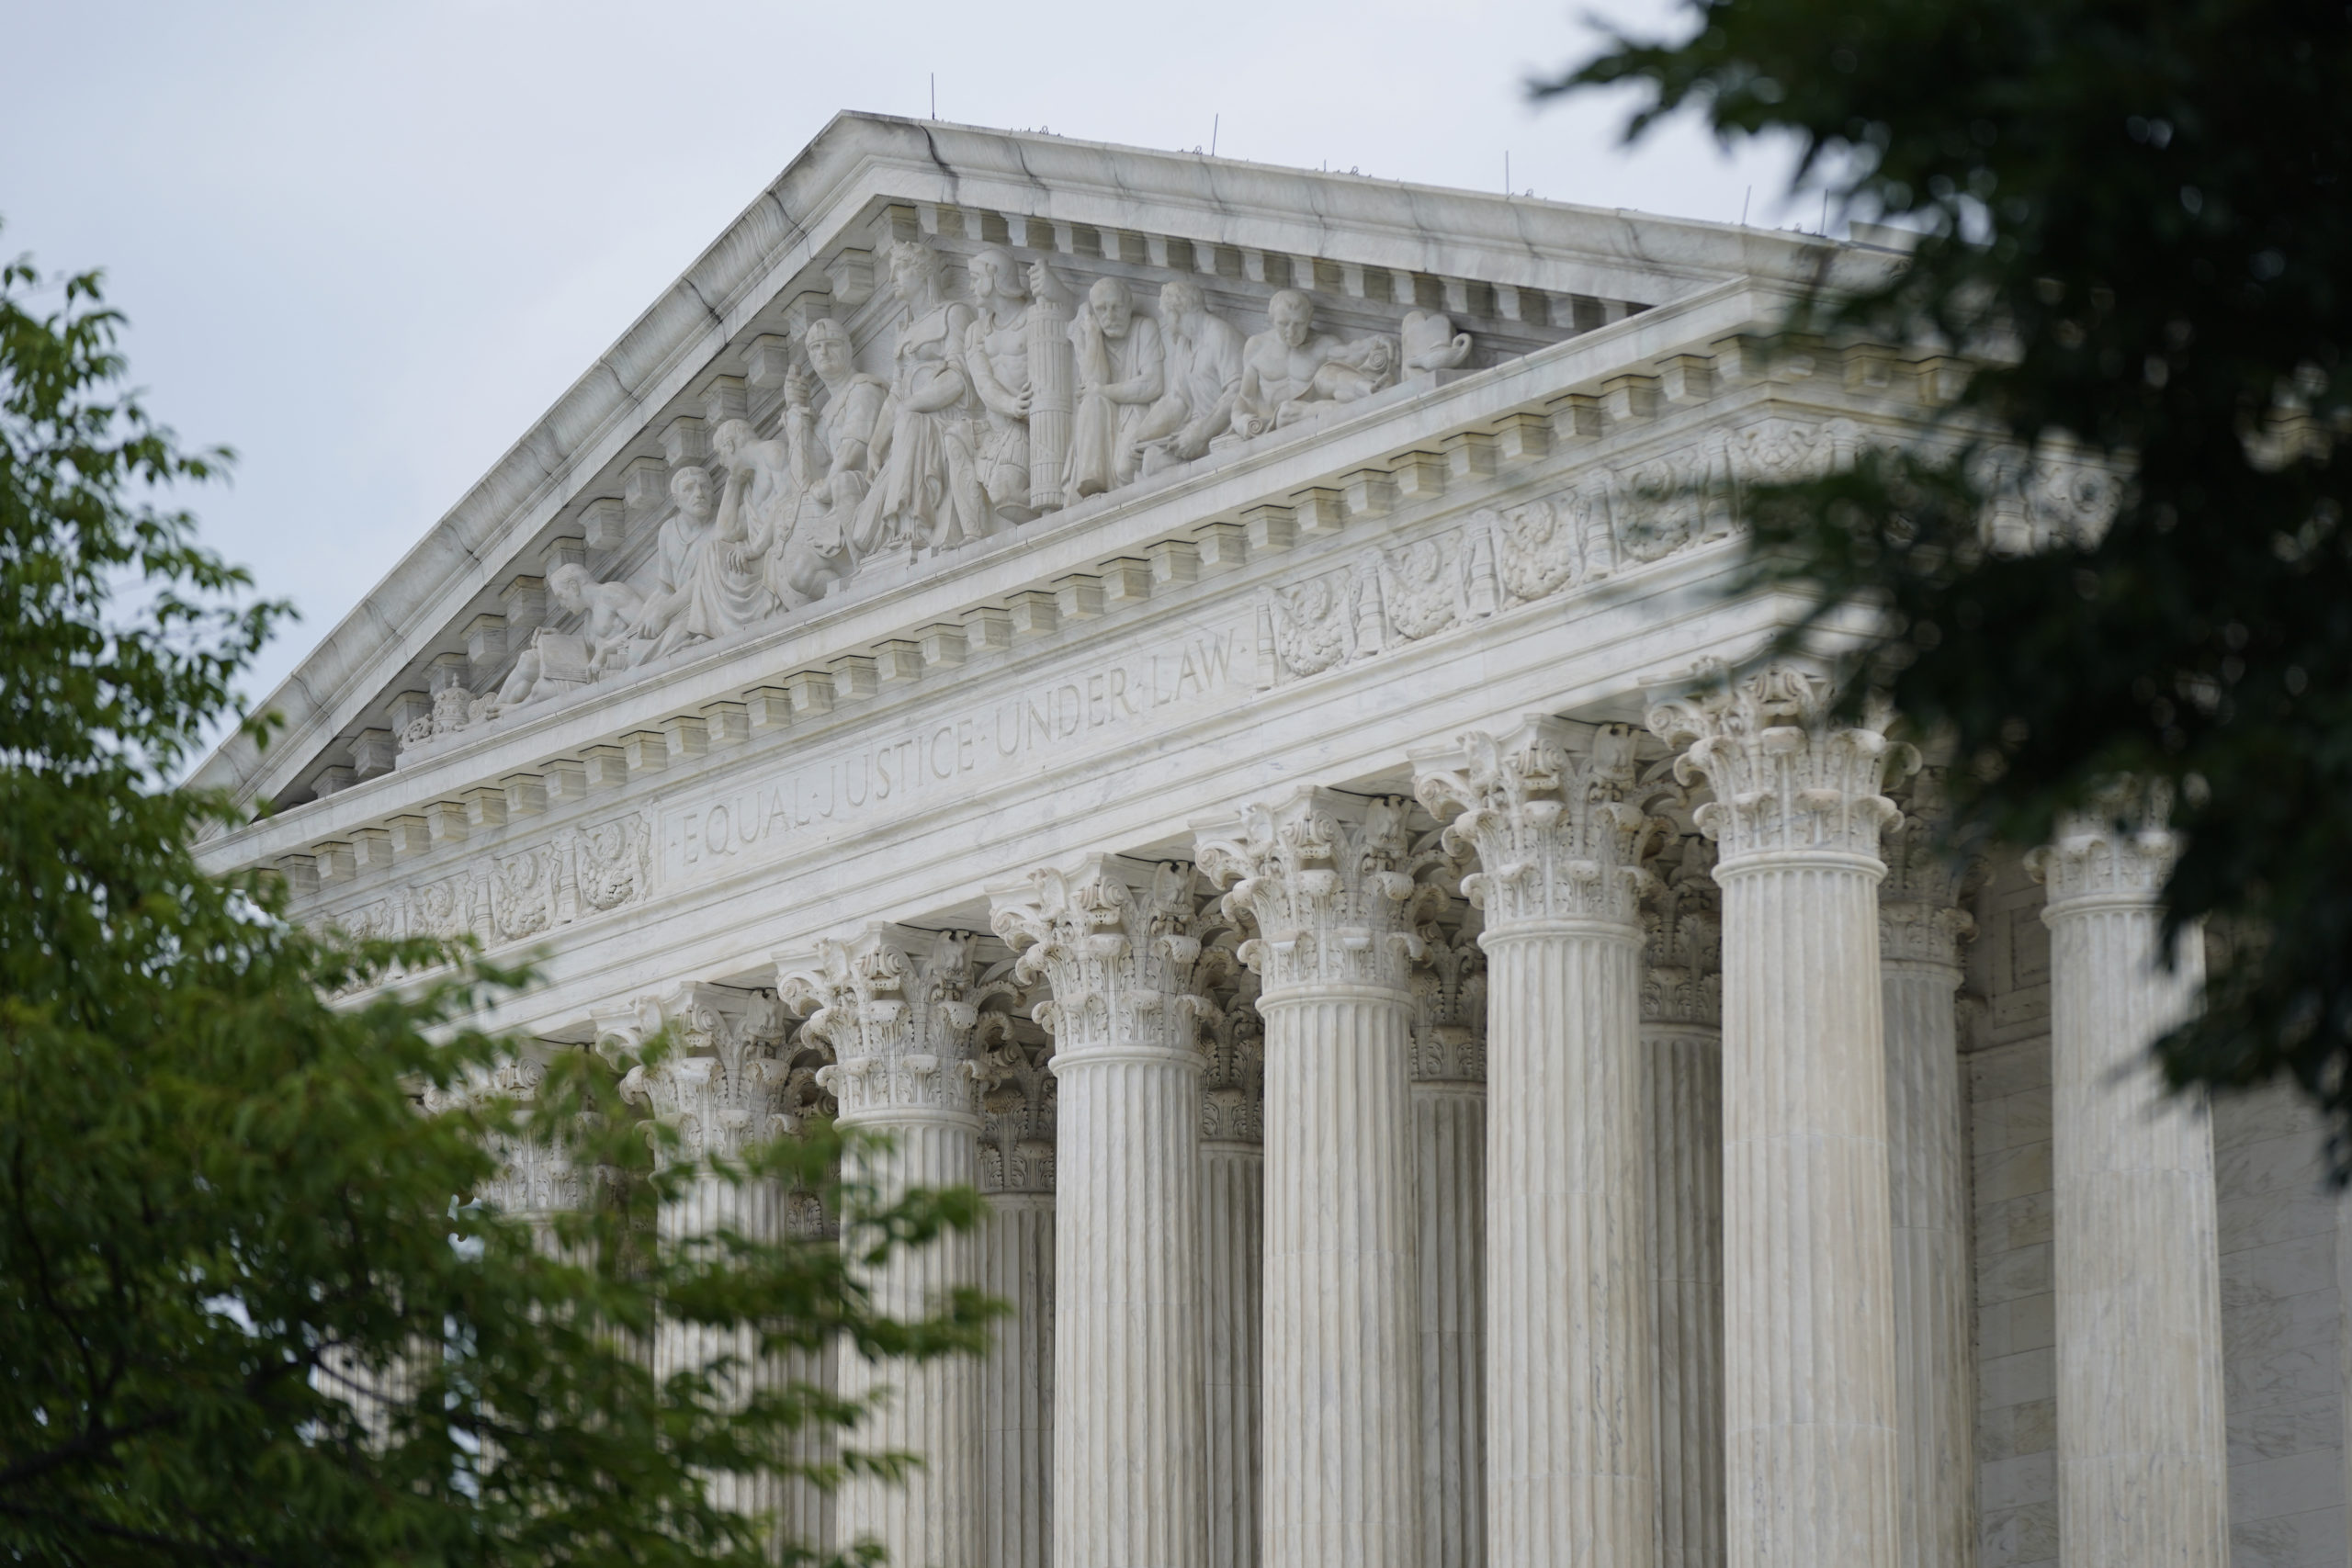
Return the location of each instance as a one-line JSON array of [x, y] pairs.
[[1325, 880], [1785, 778], [1017, 1106], [1682, 936], [1544, 809], [726, 1086], [902, 1012], [2116, 850], [1233, 1084], [1122, 945], [1919, 918], [1449, 993]]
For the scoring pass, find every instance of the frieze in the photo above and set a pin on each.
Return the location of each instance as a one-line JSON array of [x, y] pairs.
[[1610, 519], [576, 874], [944, 758]]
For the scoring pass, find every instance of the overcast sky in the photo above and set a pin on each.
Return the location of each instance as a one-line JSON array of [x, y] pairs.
[[368, 245]]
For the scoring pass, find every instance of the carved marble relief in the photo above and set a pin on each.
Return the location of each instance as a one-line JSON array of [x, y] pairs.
[[1010, 390], [576, 874], [1609, 521]]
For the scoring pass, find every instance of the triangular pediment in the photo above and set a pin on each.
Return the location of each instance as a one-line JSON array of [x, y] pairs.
[[609, 544]]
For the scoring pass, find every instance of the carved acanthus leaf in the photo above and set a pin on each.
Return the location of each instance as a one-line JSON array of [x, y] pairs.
[[1682, 936], [1325, 880], [1544, 810], [725, 1085], [904, 1013], [1786, 776], [1124, 947]]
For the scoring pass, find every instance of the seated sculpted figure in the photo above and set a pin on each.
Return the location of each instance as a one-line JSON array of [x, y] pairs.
[[1290, 368], [557, 659], [702, 587], [760, 501], [1121, 371], [828, 449], [926, 491], [1204, 377]]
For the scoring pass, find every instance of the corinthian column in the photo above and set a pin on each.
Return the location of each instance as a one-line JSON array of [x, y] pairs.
[[1128, 969], [1233, 1238], [1682, 1051], [1920, 934], [2143, 1456], [1570, 1412], [1017, 1105], [1450, 1176], [725, 1089], [899, 1009], [1809, 1444], [1321, 875]]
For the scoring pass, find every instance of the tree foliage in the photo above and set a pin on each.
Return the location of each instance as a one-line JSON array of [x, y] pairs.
[[2133, 219], [244, 1318]]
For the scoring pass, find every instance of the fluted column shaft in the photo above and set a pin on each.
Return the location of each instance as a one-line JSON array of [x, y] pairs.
[[1121, 947], [1233, 1240], [2143, 1454], [1810, 1416], [1568, 1314], [934, 1408], [1342, 1419], [900, 1008], [723, 1093], [1685, 1089], [1571, 1409], [1233, 1209], [1808, 1275], [1928, 1198], [1450, 1178], [1318, 876], [1130, 1440], [1017, 1412]]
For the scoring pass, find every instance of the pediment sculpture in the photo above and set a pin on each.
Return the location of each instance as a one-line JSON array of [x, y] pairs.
[[1013, 396]]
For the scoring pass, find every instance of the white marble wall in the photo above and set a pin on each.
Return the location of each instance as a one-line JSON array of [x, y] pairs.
[[2281, 1309]]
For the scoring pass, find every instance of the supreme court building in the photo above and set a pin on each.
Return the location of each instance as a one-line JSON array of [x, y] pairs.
[[1193, 696]]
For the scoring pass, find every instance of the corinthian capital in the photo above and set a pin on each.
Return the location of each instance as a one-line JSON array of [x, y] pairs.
[[1233, 1085], [1918, 920], [533, 1177], [2117, 849], [723, 1086], [1017, 1111], [1786, 778], [1682, 927], [902, 1012], [1326, 879], [1449, 995], [1121, 942], [1544, 810]]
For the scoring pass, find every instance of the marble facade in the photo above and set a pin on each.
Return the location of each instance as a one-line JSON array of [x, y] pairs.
[[1188, 693]]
